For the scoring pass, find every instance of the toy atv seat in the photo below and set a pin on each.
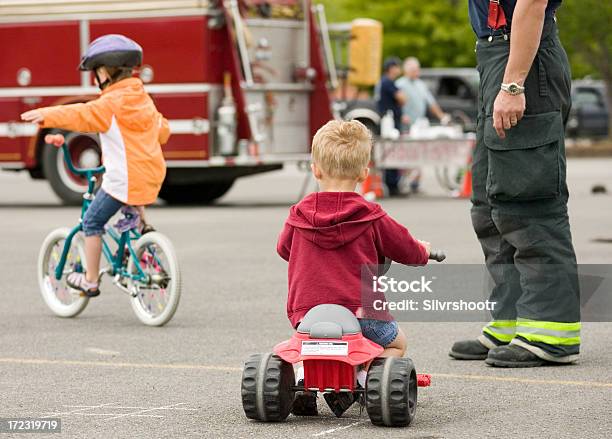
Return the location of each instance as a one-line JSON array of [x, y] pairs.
[[331, 346], [329, 321]]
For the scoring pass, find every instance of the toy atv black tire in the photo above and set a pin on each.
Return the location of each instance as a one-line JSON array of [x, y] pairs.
[[391, 392], [267, 388]]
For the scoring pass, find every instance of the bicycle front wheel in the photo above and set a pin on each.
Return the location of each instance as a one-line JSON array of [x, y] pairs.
[[59, 297], [157, 297]]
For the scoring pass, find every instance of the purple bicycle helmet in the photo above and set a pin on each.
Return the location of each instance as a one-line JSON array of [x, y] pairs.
[[112, 50]]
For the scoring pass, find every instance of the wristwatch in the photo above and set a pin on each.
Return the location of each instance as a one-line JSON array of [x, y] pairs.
[[513, 88]]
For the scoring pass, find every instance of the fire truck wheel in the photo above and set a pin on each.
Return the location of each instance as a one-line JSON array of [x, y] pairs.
[[391, 392], [202, 193], [267, 388], [85, 153]]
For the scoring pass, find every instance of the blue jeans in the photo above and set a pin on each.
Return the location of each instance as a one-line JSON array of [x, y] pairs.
[[99, 212], [381, 332]]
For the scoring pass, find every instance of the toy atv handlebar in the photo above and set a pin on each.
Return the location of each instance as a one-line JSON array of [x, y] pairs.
[[437, 255]]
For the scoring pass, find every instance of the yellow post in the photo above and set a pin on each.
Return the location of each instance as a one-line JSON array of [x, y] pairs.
[[365, 52]]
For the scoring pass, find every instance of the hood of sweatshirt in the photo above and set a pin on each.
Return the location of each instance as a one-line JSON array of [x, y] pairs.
[[136, 107], [333, 219]]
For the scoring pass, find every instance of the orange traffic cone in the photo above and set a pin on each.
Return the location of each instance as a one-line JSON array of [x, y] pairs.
[[372, 187], [466, 188]]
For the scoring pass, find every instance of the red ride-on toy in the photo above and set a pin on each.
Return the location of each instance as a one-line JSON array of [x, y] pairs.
[[330, 343], [331, 346]]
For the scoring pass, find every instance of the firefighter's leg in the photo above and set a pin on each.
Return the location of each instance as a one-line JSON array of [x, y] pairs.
[[548, 311], [498, 254], [499, 260]]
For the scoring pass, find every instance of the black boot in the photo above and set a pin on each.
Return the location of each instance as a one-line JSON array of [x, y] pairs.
[[513, 356], [339, 402], [305, 402], [469, 350]]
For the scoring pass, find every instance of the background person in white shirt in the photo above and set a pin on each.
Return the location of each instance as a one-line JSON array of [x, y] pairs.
[[418, 97], [418, 101]]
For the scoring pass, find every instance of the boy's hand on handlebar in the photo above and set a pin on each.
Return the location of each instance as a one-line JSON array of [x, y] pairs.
[[54, 139], [427, 246], [34, 116]]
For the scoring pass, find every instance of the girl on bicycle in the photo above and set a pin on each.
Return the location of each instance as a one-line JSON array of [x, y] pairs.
[[131, 131]]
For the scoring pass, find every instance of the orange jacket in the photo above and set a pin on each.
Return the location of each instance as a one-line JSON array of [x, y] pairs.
[[131, 131]]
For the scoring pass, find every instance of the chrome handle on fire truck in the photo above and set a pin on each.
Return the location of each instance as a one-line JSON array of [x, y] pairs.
[[306, 40], [327, 50], [240, 37]]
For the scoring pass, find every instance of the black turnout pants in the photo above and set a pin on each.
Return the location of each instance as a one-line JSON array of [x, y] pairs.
[[519, 204]]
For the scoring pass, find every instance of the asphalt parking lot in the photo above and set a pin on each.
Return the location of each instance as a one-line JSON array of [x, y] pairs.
[[106, 375]]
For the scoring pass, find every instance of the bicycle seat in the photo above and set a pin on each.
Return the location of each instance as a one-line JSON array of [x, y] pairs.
[[329, 321]]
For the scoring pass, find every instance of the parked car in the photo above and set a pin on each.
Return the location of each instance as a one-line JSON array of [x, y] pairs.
[[589, 115], [456, 90]]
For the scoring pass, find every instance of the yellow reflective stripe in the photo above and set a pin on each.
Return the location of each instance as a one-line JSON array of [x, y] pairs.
[[549, 339], [499, 336], [502, 323], [555, 326]]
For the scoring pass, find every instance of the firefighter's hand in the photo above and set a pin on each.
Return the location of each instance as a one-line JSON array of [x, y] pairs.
[[427, 246], [54, 139], [507, 111], [34, 116]]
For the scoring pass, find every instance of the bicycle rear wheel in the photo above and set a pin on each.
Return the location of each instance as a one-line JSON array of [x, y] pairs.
[[59, 297], [157, 299]]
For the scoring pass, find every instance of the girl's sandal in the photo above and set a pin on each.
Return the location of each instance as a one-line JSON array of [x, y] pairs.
[[77, 281], [146, 228]]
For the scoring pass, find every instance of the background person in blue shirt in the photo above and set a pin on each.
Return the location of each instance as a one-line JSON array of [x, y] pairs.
[[389, 97]]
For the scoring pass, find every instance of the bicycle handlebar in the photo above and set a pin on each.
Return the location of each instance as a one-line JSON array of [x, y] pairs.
[[79, 171]]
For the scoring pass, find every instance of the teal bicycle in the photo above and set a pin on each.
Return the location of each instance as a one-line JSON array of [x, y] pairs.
[[143, 266]]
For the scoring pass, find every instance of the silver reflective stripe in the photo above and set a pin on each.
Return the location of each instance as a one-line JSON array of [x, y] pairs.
[[486, 342], [551, 332], [508, 330]]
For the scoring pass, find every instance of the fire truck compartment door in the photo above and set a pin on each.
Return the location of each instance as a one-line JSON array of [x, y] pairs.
[[283, 120]]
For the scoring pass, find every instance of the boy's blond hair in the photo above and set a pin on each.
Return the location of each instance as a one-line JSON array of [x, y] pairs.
[[341, 149]]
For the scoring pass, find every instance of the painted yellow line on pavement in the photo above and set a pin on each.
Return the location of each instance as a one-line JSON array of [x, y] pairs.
[[523, 380], [119, 365], [186, 366]]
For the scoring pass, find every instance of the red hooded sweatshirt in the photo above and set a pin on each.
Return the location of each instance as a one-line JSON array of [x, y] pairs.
[[327, 238]]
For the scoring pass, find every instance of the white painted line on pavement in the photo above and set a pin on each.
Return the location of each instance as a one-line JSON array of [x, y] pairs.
[[114, 414], [523, 380], [128, 407], [74, 412], [141, 412], [333, 430], [102, 352], [119, 364], [137, 413], [238, 369]]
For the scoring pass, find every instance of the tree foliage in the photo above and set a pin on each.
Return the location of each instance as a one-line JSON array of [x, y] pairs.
[[439, 34], [435, 31], [584, 26]]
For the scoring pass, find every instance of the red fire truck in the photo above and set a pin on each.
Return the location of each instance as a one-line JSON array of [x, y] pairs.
[[244, 84]]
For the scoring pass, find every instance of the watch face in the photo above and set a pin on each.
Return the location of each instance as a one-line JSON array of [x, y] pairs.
[[513, 88]]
